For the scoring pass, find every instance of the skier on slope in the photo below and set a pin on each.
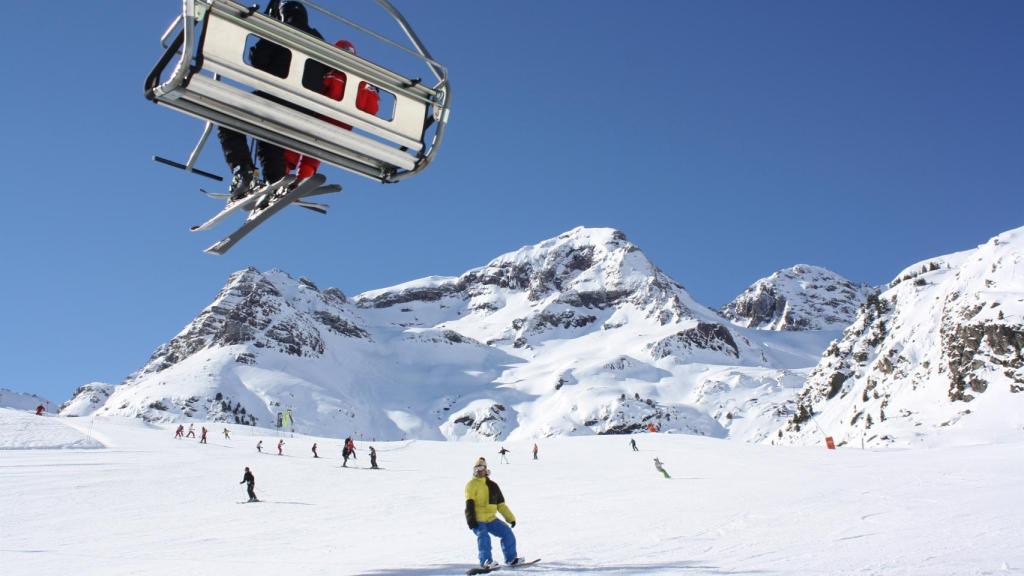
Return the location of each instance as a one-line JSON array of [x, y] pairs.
[[276, 60], [484, 501], [373, 458], [632, 442], [250, 484], [180, 432], [314, 451], [280, 447], [658, 465], [534, 450], [40, 409], [504, 457], [367, 100], [348, 451], [259, 446], [227, 434], [202, 439], [191, 431]]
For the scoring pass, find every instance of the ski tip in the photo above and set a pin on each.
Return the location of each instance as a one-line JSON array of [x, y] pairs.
[[215, 249]]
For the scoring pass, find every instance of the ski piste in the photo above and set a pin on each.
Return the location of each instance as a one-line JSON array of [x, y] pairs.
[[245, 203], [310, 186], [482, 570]]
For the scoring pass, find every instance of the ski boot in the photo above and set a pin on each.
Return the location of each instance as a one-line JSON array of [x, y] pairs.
[[244, 181]]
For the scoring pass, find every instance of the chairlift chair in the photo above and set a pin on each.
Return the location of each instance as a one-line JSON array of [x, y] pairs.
[[211, 42]]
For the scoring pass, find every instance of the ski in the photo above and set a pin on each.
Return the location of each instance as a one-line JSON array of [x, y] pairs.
[[244, 204], [482, 570], [313, 206], [257, 216]]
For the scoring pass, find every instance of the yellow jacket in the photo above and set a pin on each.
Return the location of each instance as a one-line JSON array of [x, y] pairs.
[[485, 500]]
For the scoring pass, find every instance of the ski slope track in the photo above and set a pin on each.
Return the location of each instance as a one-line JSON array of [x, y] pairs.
[[146, 503]]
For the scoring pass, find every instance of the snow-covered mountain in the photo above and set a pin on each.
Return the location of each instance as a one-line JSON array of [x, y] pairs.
[[579, 334], [22, 400], [937, 357], [799, 298]]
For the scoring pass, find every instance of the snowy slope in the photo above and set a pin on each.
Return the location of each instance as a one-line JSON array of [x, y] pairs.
[[150, 504], [579, 334], [799, 298], [21, 430], [935, 359]]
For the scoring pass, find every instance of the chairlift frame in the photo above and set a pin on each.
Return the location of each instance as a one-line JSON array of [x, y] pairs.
[[211, 42]]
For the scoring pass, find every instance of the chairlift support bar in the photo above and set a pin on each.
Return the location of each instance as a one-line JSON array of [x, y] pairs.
[[211, 43]]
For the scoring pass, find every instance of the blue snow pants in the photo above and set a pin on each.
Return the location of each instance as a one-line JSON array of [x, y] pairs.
[[483, 532]]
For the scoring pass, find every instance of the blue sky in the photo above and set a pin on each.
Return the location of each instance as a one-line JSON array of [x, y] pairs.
[[727, 139]]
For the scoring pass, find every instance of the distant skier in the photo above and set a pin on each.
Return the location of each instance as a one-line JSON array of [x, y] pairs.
[[259, 446], [351, 447], [345, 453], [280, 447], [250, 484], [40, 409], [657, 464], [535, 451], [504, 457], [373, 458], [180, 432], [632, 442], [191, 431], [314, 451], [483, 502], [227, 434], [202, 440]]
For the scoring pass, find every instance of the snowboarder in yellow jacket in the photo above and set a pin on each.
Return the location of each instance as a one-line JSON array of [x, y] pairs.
[[484, 501]]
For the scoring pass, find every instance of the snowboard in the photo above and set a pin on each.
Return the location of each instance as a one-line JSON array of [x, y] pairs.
[[257, 216], [482, 570]]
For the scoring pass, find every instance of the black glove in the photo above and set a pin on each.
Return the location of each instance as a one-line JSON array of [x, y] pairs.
[[471, 514], [512, 524]]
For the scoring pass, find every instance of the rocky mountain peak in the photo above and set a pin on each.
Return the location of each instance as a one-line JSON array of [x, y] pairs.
[[801, 297], [262, 310]]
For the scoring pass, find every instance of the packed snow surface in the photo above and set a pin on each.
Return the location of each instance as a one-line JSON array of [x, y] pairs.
[[23, 430], [150, 504]]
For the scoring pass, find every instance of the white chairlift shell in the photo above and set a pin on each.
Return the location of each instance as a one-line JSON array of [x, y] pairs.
[[378, 148]]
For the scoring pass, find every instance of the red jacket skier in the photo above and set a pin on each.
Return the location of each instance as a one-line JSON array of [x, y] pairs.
[[367, 100]]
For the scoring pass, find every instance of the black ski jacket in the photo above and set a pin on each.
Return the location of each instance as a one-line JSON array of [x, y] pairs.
[[276, 59]]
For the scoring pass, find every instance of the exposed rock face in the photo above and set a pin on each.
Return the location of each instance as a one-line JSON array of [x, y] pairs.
[[703, 336], [948, 333], [87, 399], [252, 309], [799, 298], [480, 420]]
